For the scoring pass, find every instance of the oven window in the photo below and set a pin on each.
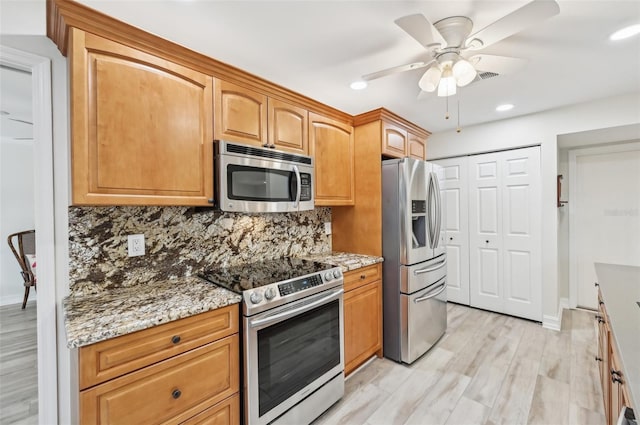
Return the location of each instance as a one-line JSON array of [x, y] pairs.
[[295, 352], [259, 184]]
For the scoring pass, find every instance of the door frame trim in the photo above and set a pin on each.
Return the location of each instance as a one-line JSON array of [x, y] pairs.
[[574, 154], [47, 357]]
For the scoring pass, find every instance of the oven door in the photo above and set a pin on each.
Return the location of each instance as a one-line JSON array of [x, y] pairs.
[[290, 352]]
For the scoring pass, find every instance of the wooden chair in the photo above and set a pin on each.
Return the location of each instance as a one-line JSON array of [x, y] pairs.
[[26, 245]]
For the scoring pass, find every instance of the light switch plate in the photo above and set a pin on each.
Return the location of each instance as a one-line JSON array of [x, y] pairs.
[[327, 228], [135, 245]]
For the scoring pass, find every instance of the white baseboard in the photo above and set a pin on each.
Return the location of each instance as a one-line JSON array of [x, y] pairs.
[[17, 299], [555, 322]]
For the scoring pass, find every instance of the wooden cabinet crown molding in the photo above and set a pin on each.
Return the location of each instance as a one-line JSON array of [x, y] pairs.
[[388, 116], [64, 14]]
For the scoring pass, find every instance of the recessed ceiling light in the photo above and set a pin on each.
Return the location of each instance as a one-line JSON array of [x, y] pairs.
[[626, 32], [504, 107], [358, 85]]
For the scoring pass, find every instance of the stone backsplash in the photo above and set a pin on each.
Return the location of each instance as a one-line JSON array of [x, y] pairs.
[[181, 241]]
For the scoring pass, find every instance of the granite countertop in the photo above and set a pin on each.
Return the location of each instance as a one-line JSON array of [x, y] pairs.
[[345, 260], [620, 288], [94, 318]]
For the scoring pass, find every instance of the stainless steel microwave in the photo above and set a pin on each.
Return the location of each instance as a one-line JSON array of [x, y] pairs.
[[256, 180]]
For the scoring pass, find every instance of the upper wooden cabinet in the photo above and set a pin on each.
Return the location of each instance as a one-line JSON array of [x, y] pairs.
[[288, 127], [398, 137], [394, 140], [331, 143], [141, 129], [246, 116], [417, 146], [240, 114]]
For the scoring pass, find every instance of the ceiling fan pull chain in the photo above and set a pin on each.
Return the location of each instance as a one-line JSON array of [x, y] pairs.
[[458, 129], [446, 116]]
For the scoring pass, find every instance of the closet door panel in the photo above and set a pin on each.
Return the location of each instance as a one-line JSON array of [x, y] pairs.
[[522, 233], [485, 232], [455, 197]]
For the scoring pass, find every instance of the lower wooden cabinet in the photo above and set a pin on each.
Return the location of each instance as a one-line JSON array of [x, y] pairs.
[[612, 377], [362, 316], [196, 386]]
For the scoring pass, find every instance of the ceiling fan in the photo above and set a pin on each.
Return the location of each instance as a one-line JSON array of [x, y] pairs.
[[451, 46]]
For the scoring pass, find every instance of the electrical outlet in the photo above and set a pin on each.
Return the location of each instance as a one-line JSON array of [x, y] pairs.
[[327, 228], [135, 245]]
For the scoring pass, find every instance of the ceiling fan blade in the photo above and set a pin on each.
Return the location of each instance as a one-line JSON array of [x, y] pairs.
[[419, 27], [396, 69], [529, 14], [501, 65]]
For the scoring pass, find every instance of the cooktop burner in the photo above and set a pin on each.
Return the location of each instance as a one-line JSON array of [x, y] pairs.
[[254, 275]]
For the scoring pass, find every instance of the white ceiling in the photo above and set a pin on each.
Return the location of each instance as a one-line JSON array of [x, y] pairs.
[[318, 48]]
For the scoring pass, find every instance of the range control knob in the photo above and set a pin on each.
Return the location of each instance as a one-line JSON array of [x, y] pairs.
[[270, 293], [337, 273], [328, 276], [256, 297]]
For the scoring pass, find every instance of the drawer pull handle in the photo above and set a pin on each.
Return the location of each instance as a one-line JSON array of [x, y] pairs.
[[362, 276], [176, 394], [175, 339]]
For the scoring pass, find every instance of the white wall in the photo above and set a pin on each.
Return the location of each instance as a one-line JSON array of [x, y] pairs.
[[542, 128], [16, 212], [42, 46]]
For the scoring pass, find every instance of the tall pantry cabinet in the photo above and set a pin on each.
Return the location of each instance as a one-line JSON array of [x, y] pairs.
[[494, 244]]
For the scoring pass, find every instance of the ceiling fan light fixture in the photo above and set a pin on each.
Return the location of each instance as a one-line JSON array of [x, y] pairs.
[[447, 85], [464, 72], [430, 79]]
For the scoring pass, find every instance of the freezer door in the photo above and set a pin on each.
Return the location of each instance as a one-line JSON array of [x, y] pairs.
[[419, 276], [424, 320]]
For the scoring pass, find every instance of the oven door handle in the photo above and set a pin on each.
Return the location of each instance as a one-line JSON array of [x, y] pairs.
[[295, 311]]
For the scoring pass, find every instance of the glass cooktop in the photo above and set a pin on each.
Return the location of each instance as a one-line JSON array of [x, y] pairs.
[[253, 275]]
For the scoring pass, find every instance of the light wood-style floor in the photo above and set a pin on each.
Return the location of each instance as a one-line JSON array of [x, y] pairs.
[[487, 369], [18, 365]]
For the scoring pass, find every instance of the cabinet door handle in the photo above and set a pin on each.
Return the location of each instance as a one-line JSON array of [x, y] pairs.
[[175, 339], [616, 380], [598, 359], [176, 394], [595, 284], [601, 302], [265, 145], [615, 372]]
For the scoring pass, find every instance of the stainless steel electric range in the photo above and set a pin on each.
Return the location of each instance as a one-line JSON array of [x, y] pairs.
[[293, 337]]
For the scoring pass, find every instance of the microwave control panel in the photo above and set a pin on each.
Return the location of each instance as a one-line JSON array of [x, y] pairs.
[[305, 187]]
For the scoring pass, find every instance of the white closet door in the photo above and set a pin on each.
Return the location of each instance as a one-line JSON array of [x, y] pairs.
[[521, 229], [455, 198], [485, 232]]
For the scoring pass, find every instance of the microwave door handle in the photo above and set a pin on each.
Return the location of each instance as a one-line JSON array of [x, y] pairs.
[[298, 186]]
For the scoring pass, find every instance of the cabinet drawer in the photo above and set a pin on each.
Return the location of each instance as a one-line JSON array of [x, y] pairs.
[[167, 392], [227, 412], [356, 278], [115, 357]]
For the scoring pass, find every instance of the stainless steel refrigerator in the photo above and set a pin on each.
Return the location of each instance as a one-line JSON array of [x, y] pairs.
[[414, 268]]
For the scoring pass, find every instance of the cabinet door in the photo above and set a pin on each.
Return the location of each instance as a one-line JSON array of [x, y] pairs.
[[331, 146], [417, 147], [288, 127], [169, 391], [362, 324], [394, 140], [141, 127], [240, 114], [455, 197]]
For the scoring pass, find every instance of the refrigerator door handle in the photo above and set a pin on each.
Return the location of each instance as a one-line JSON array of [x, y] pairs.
[[430, 218], [436, 234], [430, 269], [432, 294]]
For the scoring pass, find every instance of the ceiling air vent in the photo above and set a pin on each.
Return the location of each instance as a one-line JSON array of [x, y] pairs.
[[486, 74]]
